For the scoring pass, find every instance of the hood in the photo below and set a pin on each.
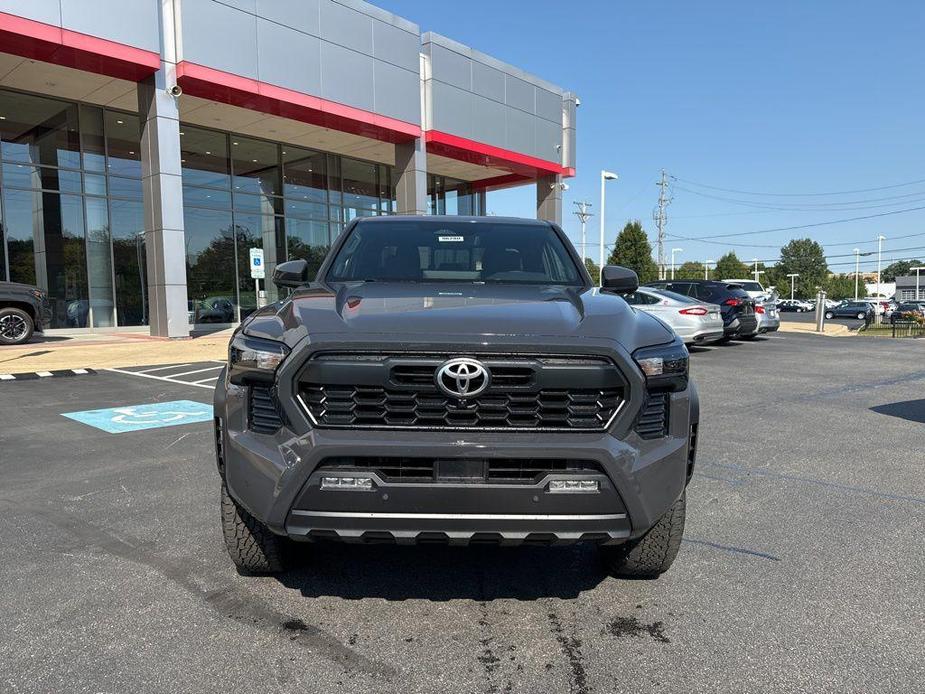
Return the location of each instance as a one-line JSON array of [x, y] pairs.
[[17, 287], [421, 311]]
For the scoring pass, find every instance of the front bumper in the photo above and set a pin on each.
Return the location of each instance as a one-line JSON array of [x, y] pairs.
[[276, 477]]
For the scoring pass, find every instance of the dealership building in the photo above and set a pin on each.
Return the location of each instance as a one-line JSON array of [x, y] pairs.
[[148, 145]]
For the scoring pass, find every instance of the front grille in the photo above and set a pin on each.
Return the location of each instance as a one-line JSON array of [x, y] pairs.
[[495, 470], [652, 422], [262, 412], [526, 393]]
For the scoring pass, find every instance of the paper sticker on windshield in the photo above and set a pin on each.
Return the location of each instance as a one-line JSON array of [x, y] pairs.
[[450, 239]]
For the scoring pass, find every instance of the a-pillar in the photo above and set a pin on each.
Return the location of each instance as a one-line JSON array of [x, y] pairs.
[[411, 172], [549, 198], [163, 205]]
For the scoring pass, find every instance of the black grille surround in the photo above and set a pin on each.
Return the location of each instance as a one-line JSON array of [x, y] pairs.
[[395, 469], [526, 393], [263, 415]]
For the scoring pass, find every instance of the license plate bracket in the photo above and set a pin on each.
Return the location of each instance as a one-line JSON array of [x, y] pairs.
[[460, 470]]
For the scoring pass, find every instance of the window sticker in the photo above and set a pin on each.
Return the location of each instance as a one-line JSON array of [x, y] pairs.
[[450, 239]]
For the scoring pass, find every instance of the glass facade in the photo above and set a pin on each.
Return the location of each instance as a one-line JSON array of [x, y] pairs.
[[70, 208], [447, 195], [240, 193]]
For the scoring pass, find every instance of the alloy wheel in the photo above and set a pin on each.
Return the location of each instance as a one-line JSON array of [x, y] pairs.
[[13, 327]]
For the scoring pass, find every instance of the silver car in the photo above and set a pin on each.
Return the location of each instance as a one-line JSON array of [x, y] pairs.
[[694, 321], [767, 314]]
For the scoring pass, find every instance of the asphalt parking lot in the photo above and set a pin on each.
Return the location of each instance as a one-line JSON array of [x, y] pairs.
[[802, 569]]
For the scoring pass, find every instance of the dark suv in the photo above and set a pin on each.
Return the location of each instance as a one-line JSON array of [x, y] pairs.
[[456, 380], [736, 306], [23, 311]]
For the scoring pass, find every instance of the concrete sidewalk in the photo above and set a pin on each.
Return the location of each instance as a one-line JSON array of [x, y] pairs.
[[831, 329], [106, 350]]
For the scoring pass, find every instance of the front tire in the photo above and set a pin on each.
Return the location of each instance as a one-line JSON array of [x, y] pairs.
[[252, 546], [652, 554], [16, 326], [829, 315]]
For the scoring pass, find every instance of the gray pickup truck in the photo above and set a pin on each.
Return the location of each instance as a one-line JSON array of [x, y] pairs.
[[23, 311], [455, 380]]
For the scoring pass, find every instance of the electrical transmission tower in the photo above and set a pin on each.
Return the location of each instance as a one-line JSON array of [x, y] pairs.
[[583, 214], [660, 215]]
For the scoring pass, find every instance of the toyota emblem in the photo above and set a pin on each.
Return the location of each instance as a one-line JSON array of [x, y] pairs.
[[462, 378]]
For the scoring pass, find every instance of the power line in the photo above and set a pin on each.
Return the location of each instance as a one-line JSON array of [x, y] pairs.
[[844, 205], [799, 226], [799, 195]]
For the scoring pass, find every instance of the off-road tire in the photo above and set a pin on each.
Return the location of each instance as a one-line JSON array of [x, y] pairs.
[[252, 546], [20, 321], [652, 554]]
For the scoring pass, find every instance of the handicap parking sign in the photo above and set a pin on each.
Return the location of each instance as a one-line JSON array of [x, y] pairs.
[[118, 420]]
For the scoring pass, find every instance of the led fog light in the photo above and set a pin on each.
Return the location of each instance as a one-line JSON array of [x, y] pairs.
[[348, 483], [574, 486]]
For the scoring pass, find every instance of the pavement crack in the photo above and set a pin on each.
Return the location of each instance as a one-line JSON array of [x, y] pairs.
[[571, 649]]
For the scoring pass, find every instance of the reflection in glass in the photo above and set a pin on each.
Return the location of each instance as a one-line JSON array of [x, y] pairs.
[[304, 175], [128, 251], [99, 263], [36, 130], [204, 157], [255, 165], [25, 176], [360, 185], [257, 231], [309, 241], [91, 138], [123, 143], [210, 266]]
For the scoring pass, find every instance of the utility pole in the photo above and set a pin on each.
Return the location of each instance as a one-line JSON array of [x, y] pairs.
[[706, 270], [793, 278], [857, 270], [583, 214], [673, 251], [756, 271], [661, 220], [880, 239]]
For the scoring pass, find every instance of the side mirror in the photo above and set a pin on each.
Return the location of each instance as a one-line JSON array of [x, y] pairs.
[[293, 273], [619, 279]]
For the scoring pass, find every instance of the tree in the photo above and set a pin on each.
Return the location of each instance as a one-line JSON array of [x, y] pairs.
[[900, 268], [805, 257], [634, 251], [690, 270], [729, 267], [839, 286], [593, 270]]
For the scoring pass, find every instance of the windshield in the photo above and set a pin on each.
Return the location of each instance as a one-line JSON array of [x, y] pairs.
[[751, 286], [447, 251], [674, 295]]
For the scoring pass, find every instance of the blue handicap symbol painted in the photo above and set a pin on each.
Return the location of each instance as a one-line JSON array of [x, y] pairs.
[[118, 420]]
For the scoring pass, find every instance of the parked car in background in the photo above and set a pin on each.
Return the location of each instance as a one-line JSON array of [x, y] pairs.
[[862, 310], [694, 321], [23, 311], [754, 289], [908, 311], [736, 306], [767, 314], [794, 305], [878, 305]]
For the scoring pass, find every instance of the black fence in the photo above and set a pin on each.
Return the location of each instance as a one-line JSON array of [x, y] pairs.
[[908, 329]]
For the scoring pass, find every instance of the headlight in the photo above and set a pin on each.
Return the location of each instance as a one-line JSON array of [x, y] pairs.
[[664, 366], [38, 294], [253, 359]]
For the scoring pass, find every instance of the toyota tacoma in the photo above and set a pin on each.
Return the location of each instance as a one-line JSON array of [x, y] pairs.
[[456, 380]]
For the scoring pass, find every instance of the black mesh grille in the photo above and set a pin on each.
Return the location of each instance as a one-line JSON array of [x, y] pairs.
[[382, 391], [496, 470], [652, 422], [262, 413]]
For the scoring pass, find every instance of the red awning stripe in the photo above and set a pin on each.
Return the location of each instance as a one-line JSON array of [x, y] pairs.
[[470, 151]]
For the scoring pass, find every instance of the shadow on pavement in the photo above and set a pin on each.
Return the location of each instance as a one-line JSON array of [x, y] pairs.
[[442, 573], [911, 410]]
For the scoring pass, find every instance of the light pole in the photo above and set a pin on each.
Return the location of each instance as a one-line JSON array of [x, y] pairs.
[[583, 214], [605, 176], [793, 278], [756, 271], [673, 251], [857, 270], [706, 270], [917, 280]]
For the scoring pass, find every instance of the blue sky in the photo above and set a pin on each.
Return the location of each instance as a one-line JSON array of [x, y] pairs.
[[782, 96]]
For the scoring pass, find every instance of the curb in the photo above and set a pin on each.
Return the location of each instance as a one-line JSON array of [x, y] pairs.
[[34, 375]]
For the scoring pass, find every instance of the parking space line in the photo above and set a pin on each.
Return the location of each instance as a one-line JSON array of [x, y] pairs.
[[190, 373], [158, 378], [160, 368], [206, 380]]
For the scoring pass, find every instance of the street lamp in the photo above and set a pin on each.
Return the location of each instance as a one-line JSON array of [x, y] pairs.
[[917, 280], [706, 270], [857, 270], [756, 271], [793, 277], [673, 251], [605, 176]]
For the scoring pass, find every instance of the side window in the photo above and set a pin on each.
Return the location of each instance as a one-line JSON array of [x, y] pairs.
[[701, 292], [633, 299]]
